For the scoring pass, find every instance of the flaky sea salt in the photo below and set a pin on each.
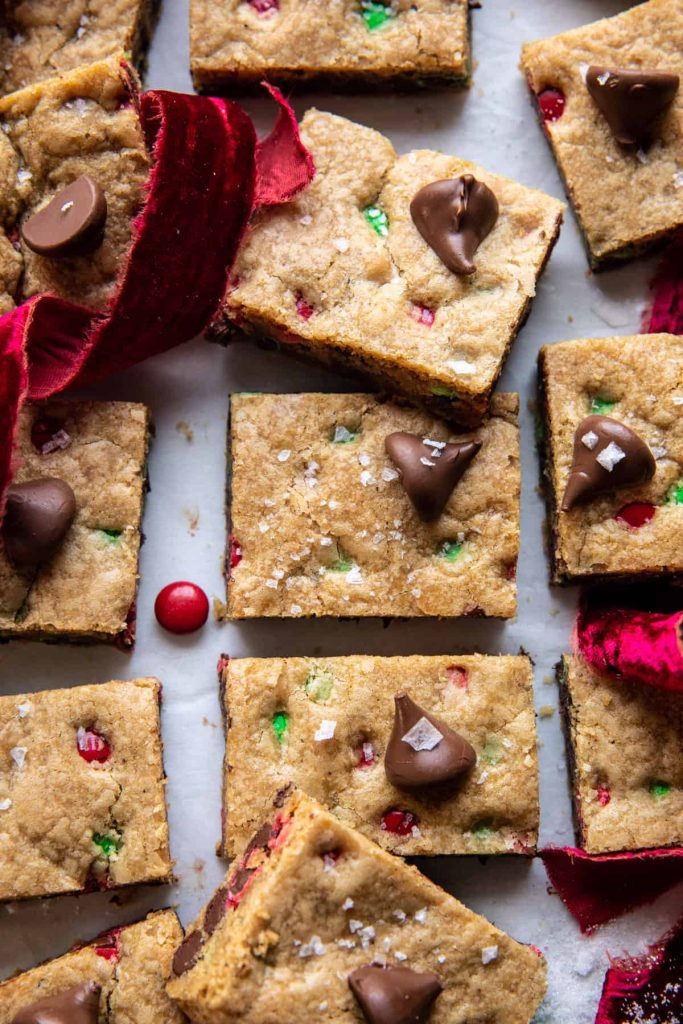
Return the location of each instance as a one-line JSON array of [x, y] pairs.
[[325, 730], [347, 904], [610, 456], [461, 366], [590, 439], [426, 462], [366, 478], [489, 954], [295, 609], [364, 459], [18, 755], [423, 735], [341, 244], [354, 575], [24, 709], [314, 947], [283, 455], [389, 474], [420, 915], [5, 804]]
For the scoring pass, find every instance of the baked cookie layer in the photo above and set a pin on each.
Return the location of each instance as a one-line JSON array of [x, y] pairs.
[[321, 524]]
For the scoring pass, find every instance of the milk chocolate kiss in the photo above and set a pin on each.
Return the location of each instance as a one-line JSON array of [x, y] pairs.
[[607, 455], [37, 517], [78, 1005], [454, 217], [423, 751], [394, 995], [631, 101], [429, 473], [72, 223]]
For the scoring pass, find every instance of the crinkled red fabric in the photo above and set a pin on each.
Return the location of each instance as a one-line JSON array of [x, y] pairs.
[[666, 310], [642, 644], [646, 989], [596, 888], [208, 176]]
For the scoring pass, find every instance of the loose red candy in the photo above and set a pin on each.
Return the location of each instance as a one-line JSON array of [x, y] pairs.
[[92, 746], [400, 823], [551, 103], [635, 515], [181, 607]]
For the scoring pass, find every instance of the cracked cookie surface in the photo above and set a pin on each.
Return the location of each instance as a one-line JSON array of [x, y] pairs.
[[322, 525], [76, 814]]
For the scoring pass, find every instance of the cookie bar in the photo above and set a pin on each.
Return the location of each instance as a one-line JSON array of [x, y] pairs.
[[335, 727], [621, 157], [624, 743], [348, 272], [348, 43], [313, 914], [93, 754], [614, 455], [97, 450], [55, 133], [123, 972], [323, 523], [45, 37]]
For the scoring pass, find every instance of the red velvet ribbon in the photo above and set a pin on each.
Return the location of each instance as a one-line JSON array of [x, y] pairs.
[[666, 311], [596, 888], [634, 634], [646, 989], [209, 174]]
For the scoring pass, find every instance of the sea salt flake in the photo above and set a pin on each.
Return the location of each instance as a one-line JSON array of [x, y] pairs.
[[420, 915], [354, 575], [272, 584], [295, 609], [355, 926], [610, 456], [400, 915], [348, 902], [341, 435], [333, 504], [423, 735], [364, 459], [590, 439], [322, 1007], [18, 755], [23, 175], [366, 478], [325, 730], [283, 455], [400, 956], [489, 954], [441, 959], [389, 474], [341, 244], [434, 444], [367, 936], [426, 462], [23, 709], [461, 366], [5, 804], [314, 947], [263, 526], [306, 220], [678, 179], [325, 542], [659, 451], [346, 943], [603, 78]]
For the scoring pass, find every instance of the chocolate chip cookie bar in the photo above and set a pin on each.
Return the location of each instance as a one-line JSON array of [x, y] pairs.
[[613, 450], [45, 37], [72, 524], [335, 509], [611, 106], [423, 755], [82, 783], [416, 271], [121, 973], [632, 800], [80, 131], [315, 921], [349, 43]]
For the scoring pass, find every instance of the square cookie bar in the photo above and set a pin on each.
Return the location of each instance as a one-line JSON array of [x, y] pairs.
[[93, 755], [342, 272], [82, 123], [98, 449], [322, 523], [336, 728], [42, 38], [624, 748], [123, 972], [626, 512], [347, 43], [316, 921], [626, 194]]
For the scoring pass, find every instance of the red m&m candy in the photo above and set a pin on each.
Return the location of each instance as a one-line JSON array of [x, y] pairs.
[[181, 607]]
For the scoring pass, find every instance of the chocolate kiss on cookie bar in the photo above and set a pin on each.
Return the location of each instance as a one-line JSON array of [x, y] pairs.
[[429, 469], [38, 515], [607, 455], [631, 101], [394, 995], [77, 1005], [454, 217], [423, 751]]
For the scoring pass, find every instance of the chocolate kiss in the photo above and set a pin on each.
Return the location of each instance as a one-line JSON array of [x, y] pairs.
[[78, 1005], [71, 224], [394, 995], [407, 768], [429, 483], [38, 516], [631, 101], [454, 217], [588, 478]]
